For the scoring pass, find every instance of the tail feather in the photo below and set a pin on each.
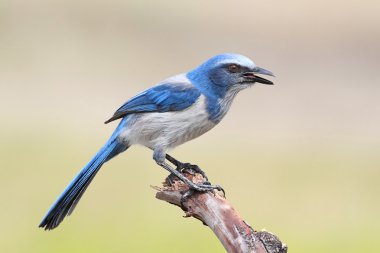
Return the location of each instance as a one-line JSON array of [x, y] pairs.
[[70, 197]]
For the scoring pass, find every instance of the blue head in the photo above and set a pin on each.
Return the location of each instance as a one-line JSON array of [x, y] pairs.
[[225, 72]]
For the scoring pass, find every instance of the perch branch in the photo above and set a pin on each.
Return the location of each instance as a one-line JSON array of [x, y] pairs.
[[218, 214]]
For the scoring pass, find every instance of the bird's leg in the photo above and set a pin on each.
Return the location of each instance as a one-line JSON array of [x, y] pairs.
[[203, 187], [179, 168], [185, 166]]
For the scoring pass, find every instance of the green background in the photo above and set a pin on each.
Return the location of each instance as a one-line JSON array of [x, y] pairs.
[[300, 158]]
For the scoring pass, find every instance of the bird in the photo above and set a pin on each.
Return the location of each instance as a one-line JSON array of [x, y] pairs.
[[172, 112]]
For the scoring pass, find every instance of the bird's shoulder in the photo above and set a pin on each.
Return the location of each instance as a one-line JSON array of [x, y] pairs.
[[173, 94]]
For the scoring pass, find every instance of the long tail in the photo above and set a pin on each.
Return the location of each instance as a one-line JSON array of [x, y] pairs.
[[69, 198]]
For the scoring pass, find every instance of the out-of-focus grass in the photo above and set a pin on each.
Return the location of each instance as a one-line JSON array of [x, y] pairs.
[[317, 199]]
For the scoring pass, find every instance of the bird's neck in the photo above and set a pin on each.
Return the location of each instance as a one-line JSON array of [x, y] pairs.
[[217, 107], [218, 98]]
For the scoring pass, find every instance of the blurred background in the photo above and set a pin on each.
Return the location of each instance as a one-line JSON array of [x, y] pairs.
[[300, 158]]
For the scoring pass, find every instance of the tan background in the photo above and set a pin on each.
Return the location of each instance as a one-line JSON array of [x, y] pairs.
[[300, 158]]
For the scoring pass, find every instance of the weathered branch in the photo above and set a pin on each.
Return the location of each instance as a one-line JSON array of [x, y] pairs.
[[215, 212]]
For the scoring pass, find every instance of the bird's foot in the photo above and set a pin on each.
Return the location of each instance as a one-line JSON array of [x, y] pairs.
[[189, 168], [184, 167], [193, 168], [171, 178], [202, 187]]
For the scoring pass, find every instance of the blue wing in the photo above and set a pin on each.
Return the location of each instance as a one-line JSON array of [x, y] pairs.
[[165, 97]]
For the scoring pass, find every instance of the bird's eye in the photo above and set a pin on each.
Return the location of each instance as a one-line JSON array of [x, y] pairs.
[[233, 68]]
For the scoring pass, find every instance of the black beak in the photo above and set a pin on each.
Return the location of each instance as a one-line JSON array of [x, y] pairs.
[[252, 77]]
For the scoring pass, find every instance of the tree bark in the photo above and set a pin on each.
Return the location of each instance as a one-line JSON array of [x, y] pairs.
[[218, 214]]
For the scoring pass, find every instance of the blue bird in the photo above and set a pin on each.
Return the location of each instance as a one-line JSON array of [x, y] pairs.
[[169, 114]]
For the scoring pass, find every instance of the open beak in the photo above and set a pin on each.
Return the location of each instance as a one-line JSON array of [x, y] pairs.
[[252, 77]]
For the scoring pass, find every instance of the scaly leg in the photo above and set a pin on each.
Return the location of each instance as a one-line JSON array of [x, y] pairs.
[[184, 166]]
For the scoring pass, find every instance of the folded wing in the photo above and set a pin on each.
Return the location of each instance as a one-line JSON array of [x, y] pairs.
[[165, 97]]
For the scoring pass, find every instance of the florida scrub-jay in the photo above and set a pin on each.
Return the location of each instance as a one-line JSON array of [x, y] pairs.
[[174, 111]]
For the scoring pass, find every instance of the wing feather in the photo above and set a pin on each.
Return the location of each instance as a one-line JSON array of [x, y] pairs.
[[165, 97]]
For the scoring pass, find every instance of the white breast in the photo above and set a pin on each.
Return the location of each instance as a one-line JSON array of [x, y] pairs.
[[169, 129]]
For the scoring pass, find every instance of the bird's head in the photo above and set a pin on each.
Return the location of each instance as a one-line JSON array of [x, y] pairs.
[[225, 71]]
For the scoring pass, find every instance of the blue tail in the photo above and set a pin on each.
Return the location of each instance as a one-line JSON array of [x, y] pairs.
[[69, 198]]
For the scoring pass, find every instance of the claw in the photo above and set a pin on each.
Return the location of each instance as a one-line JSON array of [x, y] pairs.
[[188, 170], [203, 187], [186, 166], [185, 197], [196, 169], [222, 190], [171, 177]]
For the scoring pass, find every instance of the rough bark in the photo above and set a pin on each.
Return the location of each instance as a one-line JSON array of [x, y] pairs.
[[218, 214]]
